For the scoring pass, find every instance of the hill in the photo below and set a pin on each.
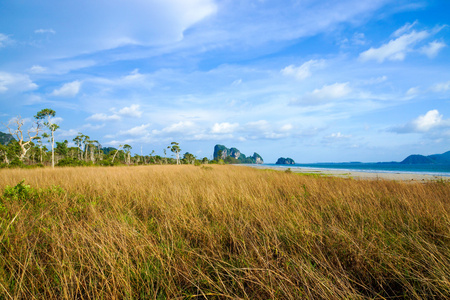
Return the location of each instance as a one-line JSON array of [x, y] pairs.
[[443, 158], [6, 138], [234, 156]]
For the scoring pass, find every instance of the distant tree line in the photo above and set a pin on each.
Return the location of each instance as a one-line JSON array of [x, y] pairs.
[[35, 146]]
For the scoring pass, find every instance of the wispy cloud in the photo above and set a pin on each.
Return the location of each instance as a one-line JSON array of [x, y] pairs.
[[325, 94], [36, 69], [4, 40], [42, 31], [396, 49], [10, 82], [303, 71], [432, 49], [441, 87], [69, 89]]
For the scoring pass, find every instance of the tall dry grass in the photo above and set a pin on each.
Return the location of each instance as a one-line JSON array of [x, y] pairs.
[[168, 232]]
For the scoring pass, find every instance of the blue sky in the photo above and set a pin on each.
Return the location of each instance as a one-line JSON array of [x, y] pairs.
[[316, 81]]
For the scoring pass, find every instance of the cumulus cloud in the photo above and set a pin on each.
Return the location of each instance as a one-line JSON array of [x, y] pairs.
[[141, 130], [430, 121], [132, 111], [69, 89], [10, 82], [304, 71], [180, 127], [325, 94], [221, 128], [432, 49]]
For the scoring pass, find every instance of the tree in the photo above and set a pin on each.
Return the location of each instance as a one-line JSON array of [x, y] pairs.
[[117, 151], [190, 158], [127, 148], [175, 148], [19, 134], [61, 148], [79, 141], [49, 113]]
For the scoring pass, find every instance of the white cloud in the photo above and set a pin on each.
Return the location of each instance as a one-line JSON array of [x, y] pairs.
[[141, 130], [15, 82], [304, 71], [337, 137], [405, 28], [412, 92], [36, 69], [428, 121], [41, 31], [441, 87], [132, 111], [432, 49], [424, 123], [396, 49], [221, 128], [4, 40], [180, 127], [286, 127], [70, 89], [103, 117], [134, 79], [325, 94]]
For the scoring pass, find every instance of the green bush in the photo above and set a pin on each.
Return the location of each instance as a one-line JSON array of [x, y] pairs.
[[70, 162]]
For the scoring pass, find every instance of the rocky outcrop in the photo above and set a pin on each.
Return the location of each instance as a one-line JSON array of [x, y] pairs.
[[285, 161], [6, 138], [257, 158], [233, 155]]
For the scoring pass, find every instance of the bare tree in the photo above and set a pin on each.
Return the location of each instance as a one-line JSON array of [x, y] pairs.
[[15, 129], [127, 148], [117, 151]]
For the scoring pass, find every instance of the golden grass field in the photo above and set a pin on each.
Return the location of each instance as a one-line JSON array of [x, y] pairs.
[[219, 232]]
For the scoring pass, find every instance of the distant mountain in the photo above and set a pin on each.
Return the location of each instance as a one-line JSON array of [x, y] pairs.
[[107, 150], [6, 138], [443, 158], [233, 155]]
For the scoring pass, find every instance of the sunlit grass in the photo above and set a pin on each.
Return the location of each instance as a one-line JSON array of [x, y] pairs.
[[216, 232]]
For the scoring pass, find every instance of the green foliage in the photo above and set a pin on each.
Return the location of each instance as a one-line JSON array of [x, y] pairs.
[[61, 148], [19, 192], [16, 163], [70, 162]]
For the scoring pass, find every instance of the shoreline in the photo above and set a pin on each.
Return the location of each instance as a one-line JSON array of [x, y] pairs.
[[362, 175]]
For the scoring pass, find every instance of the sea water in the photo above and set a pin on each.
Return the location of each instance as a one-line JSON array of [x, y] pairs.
[[428, 169]]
